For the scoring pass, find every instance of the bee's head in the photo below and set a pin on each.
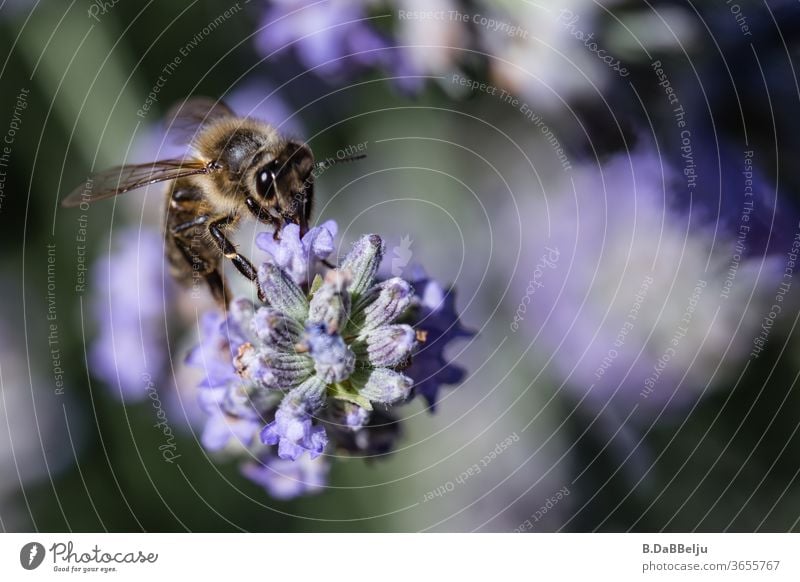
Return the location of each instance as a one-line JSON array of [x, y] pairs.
[[283, 184], [260, 165]]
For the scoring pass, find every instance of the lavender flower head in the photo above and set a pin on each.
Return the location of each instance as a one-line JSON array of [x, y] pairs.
[[303, 374], [342, 341]]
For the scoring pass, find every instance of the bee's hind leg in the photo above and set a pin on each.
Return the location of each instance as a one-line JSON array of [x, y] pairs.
[[212, 276], [216, 283]]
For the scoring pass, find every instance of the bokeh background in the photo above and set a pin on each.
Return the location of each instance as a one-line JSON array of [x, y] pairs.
[[610, 187]]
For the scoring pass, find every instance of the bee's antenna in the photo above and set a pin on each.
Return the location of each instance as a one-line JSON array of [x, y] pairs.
[[325, 164]]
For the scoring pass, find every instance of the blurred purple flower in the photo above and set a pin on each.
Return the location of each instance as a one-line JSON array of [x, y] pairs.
[[338, 39], [130, 300], [226, 423], [14, 8], [332, 37], [634, 298], [215, 351], [257, 99], [135, 308], [38, 440]]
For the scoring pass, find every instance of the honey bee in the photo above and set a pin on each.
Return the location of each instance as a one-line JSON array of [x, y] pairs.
[[238, 166]]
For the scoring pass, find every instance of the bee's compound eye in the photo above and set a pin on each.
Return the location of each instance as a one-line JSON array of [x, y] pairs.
[[265, 182]]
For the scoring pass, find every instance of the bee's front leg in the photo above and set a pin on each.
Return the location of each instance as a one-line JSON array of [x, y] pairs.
[[245, 267], [263, 215]]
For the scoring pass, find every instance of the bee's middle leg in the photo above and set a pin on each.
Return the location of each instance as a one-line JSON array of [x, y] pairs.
[[197, 221], [244, 266]]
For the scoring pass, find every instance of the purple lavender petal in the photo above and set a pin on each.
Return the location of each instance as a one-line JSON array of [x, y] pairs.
[[319, 241], [285, 479], [299, 257], [213, 353], [220, 426], [440, 321], [293, 429]]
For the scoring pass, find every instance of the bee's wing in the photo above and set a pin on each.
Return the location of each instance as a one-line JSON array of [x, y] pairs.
[[186, 118], [126, 178]]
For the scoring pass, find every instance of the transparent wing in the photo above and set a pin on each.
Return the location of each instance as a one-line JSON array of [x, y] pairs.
[[121, 179], [185, 119]]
